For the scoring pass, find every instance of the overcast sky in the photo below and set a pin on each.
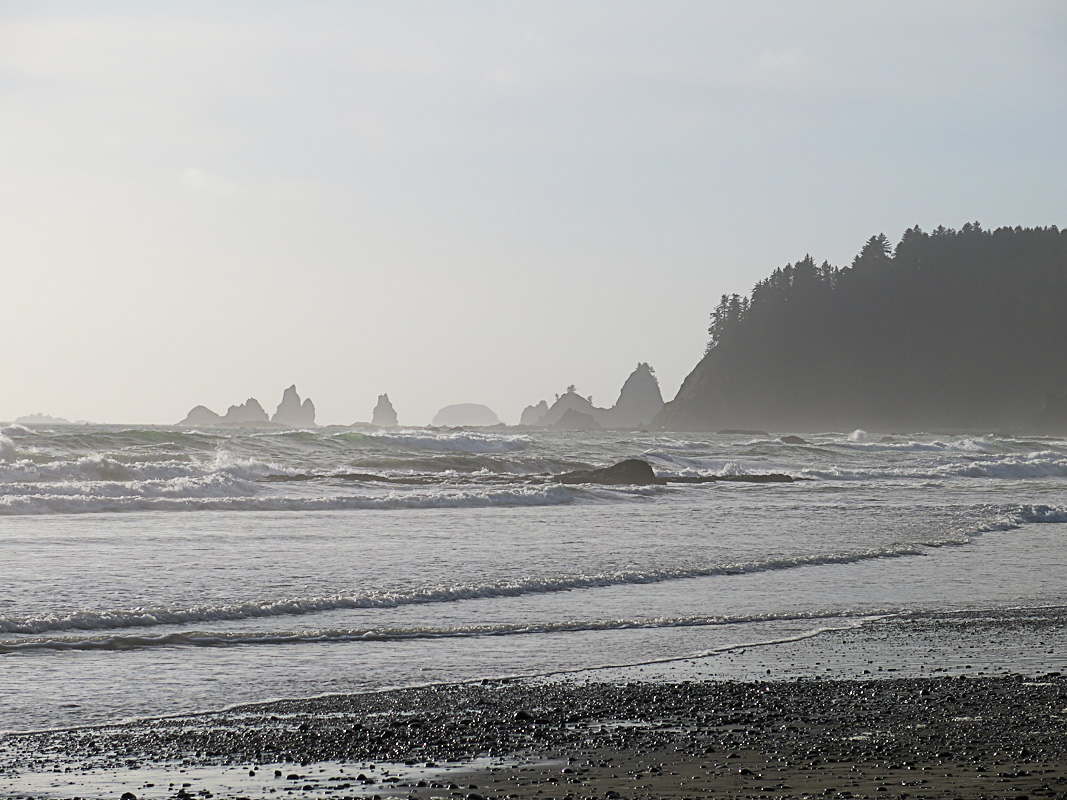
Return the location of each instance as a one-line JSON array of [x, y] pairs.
[[473, 201]]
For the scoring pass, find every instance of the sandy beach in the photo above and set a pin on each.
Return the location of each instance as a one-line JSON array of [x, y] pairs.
[[971, 731]]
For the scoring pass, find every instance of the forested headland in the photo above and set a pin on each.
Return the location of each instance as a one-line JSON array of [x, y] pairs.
[[949, 330]]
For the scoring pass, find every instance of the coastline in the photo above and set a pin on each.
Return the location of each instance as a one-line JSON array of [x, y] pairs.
[[934, 726]]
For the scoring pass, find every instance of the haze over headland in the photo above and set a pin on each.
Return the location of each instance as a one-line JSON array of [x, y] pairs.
[[473, 202]]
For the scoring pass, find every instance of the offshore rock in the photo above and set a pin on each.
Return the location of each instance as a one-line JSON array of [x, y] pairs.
[[639, 401], [465, 415], [384, 413], [201, 415], [250, 412], [569, 401], [292, 412], [573, 420], [632, 472], [533, 415]]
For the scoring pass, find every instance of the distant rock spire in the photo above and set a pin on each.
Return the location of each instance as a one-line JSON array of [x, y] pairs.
[[292, 412], [639, 401], [384, 414]]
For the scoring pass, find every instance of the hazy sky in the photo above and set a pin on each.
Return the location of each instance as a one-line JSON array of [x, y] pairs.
[[473, 201]]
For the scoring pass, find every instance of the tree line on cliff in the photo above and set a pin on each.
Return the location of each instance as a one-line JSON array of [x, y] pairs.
[[951, 328]]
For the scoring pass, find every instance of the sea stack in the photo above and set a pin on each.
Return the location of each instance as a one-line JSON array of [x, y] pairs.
[[292, 413], [250, 412], [384, 413], [639, 400], [532, 415], [201, 415]]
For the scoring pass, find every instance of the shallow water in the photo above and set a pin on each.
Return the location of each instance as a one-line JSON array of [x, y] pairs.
[[151, 571]]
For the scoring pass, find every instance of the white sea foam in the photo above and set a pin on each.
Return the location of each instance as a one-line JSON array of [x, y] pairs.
[[7, 449], [461, 441], [216, 495], [142, 617], [228, 638], [1023, 466], [102, 467]]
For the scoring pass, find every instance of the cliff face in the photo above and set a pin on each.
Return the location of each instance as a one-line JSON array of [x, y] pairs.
[[950, 330]]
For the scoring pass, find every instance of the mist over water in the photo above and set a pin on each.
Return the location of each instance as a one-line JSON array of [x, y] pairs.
[[187, 570]]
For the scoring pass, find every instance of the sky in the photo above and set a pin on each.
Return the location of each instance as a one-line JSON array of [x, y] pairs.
[[480, 202]]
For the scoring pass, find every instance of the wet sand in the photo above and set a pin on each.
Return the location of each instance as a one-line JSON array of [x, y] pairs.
[[863, 733]]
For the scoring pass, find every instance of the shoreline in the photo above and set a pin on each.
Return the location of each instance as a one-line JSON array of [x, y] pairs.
[[968, 704], [881, 737]]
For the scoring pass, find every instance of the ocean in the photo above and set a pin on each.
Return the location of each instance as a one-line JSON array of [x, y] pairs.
[[148, 571]]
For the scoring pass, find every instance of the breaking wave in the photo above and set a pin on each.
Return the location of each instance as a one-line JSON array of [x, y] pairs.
[[218, 495], [150, 617], [453, 441]]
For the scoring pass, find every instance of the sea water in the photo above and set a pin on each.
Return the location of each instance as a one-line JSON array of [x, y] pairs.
[[150, 571]]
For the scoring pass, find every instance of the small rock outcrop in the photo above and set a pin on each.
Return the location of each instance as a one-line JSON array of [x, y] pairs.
[[793, 440], [532, 415], [631, 472], [294, 413], [384, 413], [250, 412], [201, 415], [465, 415]]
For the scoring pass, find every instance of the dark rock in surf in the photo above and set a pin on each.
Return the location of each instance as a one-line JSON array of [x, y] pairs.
[[793, 440], [632, 472], [760, 477]]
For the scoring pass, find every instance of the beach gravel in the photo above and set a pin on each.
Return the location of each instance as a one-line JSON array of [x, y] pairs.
[[995, 737]]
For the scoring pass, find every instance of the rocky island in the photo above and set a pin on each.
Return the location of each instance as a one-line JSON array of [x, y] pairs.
[[639, 402], [466, 415], [291, 413]]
